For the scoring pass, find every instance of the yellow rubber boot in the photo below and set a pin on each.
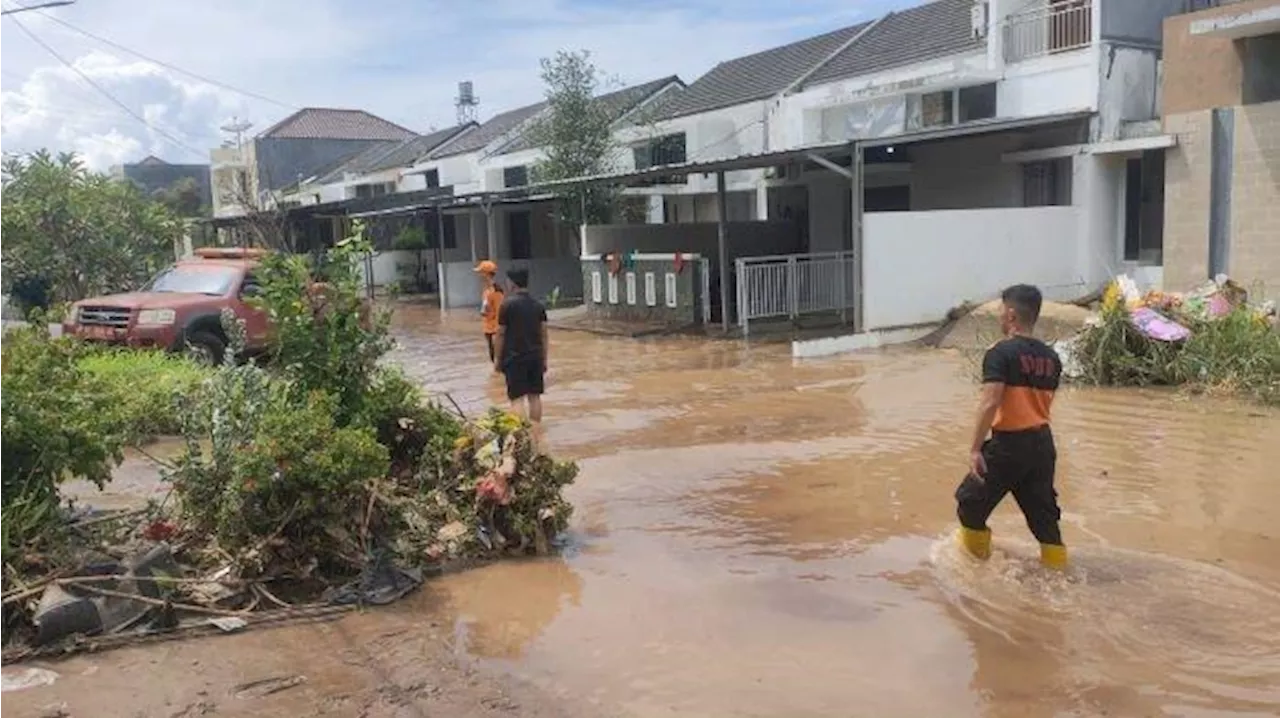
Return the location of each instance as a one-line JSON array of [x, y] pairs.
[[1053, 556], [977, 543]]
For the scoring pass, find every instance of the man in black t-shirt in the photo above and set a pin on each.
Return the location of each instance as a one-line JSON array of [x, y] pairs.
[[521, 344], [1013, 449]]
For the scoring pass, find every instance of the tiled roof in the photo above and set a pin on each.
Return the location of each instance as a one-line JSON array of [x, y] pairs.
[[615, 104], [406, 153], [757, 76], [496, 127], [925, 32], [388, 155], [322, 123]]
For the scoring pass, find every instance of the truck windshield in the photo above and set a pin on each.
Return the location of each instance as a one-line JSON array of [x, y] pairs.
[[214, 281]]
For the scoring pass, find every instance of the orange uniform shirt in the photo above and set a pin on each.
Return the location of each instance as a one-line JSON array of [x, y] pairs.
[[1030, 371], [491, 301]]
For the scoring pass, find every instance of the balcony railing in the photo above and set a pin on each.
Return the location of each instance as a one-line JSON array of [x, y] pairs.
[[1047, 27]]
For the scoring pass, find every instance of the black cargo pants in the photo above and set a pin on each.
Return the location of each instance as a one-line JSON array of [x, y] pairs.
[[1021, 463]]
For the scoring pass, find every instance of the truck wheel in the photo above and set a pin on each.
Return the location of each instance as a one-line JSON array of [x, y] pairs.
[[206, 347]]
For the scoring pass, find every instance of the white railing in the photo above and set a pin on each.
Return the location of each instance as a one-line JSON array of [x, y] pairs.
[[1047, 27], [794, 284]]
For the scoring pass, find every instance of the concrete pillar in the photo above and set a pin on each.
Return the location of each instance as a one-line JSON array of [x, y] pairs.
[[491, 229], [855, 238], [762, 201], [473, 233]]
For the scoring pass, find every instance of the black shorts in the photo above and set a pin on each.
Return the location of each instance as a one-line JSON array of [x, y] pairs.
[[524, 377]]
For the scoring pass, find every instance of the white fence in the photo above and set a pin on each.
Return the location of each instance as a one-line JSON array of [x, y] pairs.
[[920, 265], [793, 284], [1046, 27]]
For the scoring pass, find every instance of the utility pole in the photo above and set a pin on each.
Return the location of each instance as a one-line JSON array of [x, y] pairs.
[[237, 127], [41, 6]]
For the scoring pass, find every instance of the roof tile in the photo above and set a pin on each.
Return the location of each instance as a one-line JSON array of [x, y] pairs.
[[322, 123], [924, 32]]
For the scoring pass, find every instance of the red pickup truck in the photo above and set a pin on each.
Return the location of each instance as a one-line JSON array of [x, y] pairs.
[[179, 310]]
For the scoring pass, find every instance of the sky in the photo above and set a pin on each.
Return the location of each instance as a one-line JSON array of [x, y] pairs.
[[399, 59]]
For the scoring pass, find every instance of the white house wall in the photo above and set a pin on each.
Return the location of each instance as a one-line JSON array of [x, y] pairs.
[[1127, 82], [1049, 85], [718, 134], [996, 248]]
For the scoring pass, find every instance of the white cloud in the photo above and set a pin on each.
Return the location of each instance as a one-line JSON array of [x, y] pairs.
[[56, 108], [401, 60]]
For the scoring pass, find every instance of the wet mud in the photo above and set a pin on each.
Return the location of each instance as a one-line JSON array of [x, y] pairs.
[[759, 536]]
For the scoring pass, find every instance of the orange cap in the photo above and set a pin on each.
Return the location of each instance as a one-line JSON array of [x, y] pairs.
[[486, 267]]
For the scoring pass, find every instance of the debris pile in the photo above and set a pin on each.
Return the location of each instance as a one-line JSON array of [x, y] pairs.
[[1210, 337]]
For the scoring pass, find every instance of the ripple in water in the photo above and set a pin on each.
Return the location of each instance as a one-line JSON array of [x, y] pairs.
[[1211, 632]]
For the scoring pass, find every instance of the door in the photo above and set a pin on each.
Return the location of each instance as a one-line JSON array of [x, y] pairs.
[[256, 325]]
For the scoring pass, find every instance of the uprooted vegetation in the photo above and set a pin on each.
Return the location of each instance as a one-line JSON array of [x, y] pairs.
[[1232, 349], [321, 477]]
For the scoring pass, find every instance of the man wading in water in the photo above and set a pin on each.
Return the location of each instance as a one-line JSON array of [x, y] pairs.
[[521, 345], [1019, 377]]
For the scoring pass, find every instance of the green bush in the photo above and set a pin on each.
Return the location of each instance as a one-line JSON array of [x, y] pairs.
[[146, 384], [1237, 353], [279, 481], [325, 336], [59, 423], [414, 430]]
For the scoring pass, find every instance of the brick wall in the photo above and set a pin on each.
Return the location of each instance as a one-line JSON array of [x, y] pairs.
[[1254, 257], [1202, 72], [1255, 197], [1186, 200]]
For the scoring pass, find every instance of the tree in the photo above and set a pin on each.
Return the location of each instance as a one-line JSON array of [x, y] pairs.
[[77, 232], [182, 198], [414, 239], [576, 135]]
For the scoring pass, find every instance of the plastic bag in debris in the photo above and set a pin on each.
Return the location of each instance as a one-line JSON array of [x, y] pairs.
[[381, 582]]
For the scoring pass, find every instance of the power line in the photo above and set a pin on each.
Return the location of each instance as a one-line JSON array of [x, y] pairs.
[[167, 65], [129, 111], [54, 3]]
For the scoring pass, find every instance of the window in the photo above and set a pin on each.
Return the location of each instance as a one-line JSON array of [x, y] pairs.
[[520, 234], [596, 294], [432, 177], [977, 102], [673, 299], [934, 109], [665, 150], [450, 231], [366, 191], [613, 288], [670, 210], [631, 289], [1259, 58], [515, 176], [1144, 208], [650, 289], [1047, 183]]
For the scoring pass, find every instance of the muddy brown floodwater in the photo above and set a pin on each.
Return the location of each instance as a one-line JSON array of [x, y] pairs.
[[757, 536]]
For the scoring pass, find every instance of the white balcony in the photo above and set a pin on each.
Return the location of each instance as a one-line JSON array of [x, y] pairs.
[[1047, 27]]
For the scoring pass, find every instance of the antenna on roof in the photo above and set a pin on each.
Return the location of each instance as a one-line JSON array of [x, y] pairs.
[[237, 127], [467, 103]]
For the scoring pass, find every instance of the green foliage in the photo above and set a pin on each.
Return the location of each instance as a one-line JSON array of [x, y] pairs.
[[80, 232], [576, 134], [183, 198], [414, 430], [279, 480], [58, 423], [146, 385], [1236, 353], [414, 239], [325, 337]]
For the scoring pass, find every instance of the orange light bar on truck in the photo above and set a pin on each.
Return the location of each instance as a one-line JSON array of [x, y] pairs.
[[230, 252]]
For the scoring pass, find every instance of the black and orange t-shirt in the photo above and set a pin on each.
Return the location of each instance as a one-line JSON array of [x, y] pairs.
[[1030, 371]]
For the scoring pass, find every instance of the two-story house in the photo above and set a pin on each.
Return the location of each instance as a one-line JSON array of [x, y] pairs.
[[998, 131], [1221, 99]]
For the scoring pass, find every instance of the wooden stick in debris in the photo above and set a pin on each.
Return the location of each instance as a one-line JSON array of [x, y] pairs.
[[160, 602], [108, 518]]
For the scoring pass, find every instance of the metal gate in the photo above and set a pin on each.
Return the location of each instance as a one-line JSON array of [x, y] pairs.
[[794, 284]]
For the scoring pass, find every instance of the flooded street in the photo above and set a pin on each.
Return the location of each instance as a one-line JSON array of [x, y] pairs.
[[758, 536]]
